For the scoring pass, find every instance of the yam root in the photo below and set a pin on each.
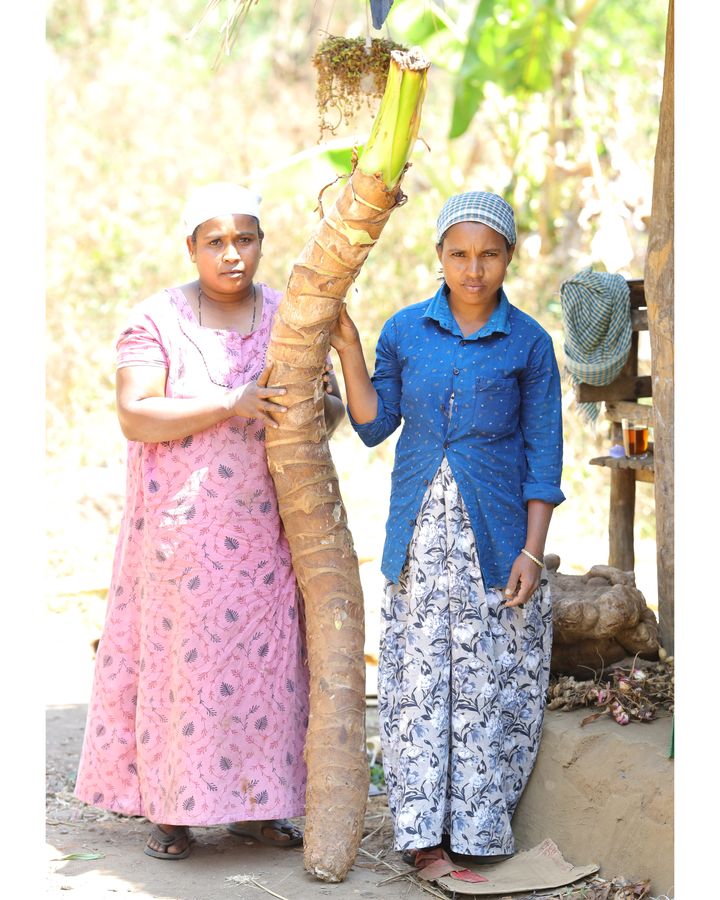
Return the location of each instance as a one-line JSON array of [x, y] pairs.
[[598, 618], [311, 508]]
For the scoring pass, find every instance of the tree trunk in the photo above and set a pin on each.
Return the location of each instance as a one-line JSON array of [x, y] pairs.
[[306, 482], [659, 292]]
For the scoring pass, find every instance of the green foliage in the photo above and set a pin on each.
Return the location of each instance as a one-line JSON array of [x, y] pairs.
[[543, 86], [428, 25], [511, 45], [341, 159], [518, 45], [137, 112]]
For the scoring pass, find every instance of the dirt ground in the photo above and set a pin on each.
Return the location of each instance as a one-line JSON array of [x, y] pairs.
[[223, 866], [220, 865], [80, 563]]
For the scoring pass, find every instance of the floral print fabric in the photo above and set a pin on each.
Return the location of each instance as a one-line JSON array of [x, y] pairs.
[[461, 687], [200, 698]]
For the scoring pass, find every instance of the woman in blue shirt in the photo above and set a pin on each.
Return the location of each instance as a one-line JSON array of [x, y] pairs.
[[467, 620]]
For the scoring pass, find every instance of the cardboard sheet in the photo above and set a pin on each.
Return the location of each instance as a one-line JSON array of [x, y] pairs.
[[540, 868]]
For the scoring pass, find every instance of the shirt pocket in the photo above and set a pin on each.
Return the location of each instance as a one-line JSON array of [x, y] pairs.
[[497, 406]]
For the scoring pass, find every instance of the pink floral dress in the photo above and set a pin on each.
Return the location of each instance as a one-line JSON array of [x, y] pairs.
[[200, 699]]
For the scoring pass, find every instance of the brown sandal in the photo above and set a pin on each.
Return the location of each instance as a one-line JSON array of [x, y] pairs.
[[422, 857], [256, 831], [167, 839]]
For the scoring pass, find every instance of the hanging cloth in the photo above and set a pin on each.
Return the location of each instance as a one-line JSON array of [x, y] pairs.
[[379, 10], [598, 330]]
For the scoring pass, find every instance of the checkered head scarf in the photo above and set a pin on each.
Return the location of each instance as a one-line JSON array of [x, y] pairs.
[[598, 329], [478, 206]]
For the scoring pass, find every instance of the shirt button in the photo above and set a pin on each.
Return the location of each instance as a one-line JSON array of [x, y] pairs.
[[456, 371], [411, 521], [426, 481], [446, 444], [462, 343]]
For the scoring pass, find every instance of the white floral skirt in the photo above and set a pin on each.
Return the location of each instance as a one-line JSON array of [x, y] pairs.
[[461, 687]]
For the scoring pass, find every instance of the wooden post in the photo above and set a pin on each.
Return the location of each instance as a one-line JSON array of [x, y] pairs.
[[659, 293], [621, 522], [622, 512]]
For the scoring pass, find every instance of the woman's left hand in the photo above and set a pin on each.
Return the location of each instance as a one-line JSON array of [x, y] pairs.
[[523, 581]]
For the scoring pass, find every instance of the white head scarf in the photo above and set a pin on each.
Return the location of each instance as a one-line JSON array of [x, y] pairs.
[[221, 198]]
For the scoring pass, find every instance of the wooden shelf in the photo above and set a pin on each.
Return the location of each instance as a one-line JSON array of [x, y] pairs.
[[644, 468], [625, 387], [639, 413]]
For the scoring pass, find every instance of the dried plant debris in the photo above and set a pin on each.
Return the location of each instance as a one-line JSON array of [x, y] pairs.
[[351, 72], [638, 693], [595, 888]]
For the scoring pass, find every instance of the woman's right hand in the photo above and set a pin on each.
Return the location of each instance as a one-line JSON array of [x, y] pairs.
[[344, 332], [252, 400]]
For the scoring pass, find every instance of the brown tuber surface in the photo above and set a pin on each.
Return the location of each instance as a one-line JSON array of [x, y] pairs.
[[598, 618], [309, 501], [315, 522]]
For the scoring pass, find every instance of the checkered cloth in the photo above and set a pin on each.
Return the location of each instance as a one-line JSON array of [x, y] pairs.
[[478, 206], [598, 329]]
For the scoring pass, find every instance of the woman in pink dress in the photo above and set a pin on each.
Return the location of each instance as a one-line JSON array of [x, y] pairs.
[[200, 699]]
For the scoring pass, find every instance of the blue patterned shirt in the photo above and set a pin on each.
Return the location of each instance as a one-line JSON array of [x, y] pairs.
[[490, 402]]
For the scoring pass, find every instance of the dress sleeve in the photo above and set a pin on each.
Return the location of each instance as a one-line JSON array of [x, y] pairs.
[[541, 424], [140, 343], [387, 381]]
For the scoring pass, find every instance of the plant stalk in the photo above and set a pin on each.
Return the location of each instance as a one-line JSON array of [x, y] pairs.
[[396, 125]]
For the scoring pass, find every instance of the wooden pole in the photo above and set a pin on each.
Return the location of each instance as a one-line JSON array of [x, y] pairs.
[[659, 293], [622, 513], [621, 524]]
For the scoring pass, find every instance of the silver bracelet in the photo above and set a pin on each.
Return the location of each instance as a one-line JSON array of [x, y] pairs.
[[533, 558]]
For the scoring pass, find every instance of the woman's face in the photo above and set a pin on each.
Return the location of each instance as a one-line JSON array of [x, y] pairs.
[[474, 258], [227, 252]]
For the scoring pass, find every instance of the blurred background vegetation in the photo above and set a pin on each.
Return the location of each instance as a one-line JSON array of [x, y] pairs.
[[552, 103]]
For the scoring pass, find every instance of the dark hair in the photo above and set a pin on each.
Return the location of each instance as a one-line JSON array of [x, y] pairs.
[[261, 233]]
